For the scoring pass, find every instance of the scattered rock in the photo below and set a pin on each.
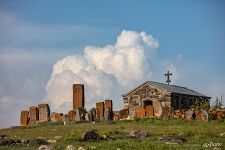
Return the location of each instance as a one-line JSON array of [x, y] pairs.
[[202, 115], [138, 134], [51, 141], [38, 142], [58, 137], [24, 141], [82, 148], [105, 137], [91, 135], [2, 136], [222, 134], [7, 142], [45, 147], [70, 147], [172, 139]]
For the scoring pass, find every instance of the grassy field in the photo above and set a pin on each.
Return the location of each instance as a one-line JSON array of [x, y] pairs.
[[195, 132]]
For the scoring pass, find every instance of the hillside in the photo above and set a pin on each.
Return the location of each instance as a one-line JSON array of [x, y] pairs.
[[116, 135]]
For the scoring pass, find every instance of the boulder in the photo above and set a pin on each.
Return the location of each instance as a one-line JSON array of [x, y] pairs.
[[138, 134], [7, 142], [58, 137], [172, 139], [105, 137], [52, 141], [2, 136], [38, 142], [45, 147], [91, 135]]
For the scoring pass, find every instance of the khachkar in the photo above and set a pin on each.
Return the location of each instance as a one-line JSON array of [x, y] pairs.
[[24, 117], [44, 112], [100, 110], [78, 96], [108, 110], [34, 115]]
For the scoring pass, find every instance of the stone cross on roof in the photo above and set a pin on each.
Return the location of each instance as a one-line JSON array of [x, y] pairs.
[[168, 74]]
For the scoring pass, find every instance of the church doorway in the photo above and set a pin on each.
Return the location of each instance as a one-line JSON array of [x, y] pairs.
[[149, 109], [147, 103]]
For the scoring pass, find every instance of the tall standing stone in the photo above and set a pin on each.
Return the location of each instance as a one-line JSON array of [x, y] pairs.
[[44, 112], [100, 110], [34, 115], [78, 96], [109, 104], [78, 114], [149, 110], [109, 110], [93, 114], [24, 117], [140, 112], [108, 114]]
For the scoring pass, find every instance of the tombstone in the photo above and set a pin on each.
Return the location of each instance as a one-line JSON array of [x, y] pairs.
[[34, 115], [123, 113], [178, 113], [201, 115], [44, 112], [149, 110], [116, 116], [64, 117], [166, 112], [139, 112], [24, 117], [100, 110], [78, 114], [108, 114], [189, 114], [71, 116], [57, 117], [93, 114], [78, 96], [87, 117], [219, 114], [109, 105]]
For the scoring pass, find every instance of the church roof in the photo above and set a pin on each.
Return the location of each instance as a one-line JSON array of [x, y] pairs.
[[169, 88]]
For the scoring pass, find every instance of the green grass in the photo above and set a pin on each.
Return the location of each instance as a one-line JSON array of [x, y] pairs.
[[196, 133]]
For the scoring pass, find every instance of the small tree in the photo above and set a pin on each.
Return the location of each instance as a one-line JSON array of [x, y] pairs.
[[218, 103], [201, 103]]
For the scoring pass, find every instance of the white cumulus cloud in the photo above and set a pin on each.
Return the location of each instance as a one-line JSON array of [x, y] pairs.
[[103, 70]]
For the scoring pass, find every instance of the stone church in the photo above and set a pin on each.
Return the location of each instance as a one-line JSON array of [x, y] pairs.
[[163, 98]]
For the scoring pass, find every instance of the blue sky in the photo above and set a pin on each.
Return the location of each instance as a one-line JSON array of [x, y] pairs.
[[35, 34]]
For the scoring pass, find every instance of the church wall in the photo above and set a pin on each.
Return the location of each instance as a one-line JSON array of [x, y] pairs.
[[181, 101], [159, 99]]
